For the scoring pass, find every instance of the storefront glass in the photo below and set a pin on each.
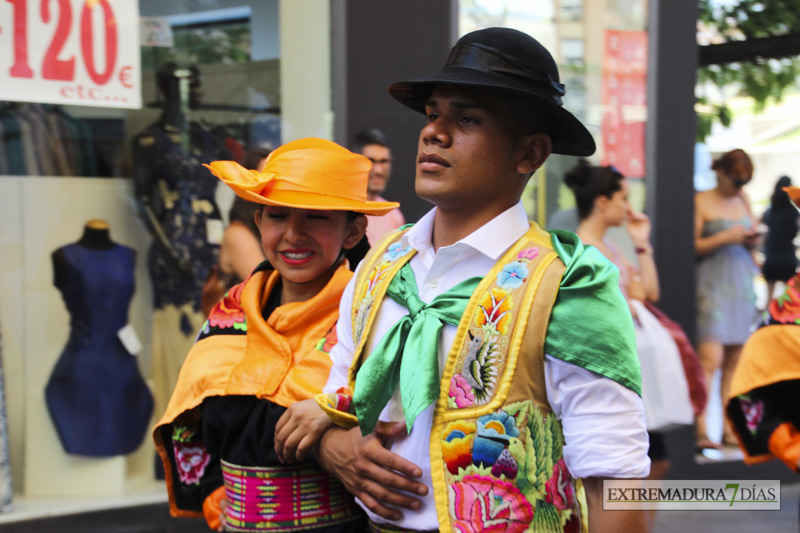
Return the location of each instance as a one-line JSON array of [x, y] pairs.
[[109, 223]]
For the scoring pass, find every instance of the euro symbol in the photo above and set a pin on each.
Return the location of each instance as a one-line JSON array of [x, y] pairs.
[[125, 77]]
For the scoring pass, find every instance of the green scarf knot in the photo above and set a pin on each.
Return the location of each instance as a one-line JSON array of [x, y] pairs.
[[408, 354]]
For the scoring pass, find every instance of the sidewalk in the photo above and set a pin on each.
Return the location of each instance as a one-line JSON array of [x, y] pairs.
[[783, 521]]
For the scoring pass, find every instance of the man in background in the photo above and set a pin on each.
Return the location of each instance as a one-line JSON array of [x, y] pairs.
[[372, 144]]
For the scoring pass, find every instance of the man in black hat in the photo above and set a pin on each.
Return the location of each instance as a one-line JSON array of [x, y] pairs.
[[489, 364]]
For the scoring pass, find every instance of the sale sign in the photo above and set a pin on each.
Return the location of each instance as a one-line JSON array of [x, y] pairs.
[[624, 98], [76, 52]]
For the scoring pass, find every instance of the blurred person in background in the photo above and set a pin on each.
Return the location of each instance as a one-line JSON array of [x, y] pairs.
[[781, 219], [724, 237], [601, 197], [373, 145], [240, 251]]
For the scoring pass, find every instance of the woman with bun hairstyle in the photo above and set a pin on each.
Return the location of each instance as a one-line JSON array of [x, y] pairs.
[[601, 197], [726, 310], [265, 346]]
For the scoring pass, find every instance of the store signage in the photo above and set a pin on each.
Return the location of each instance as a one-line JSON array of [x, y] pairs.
[[624, 98], [76, 52], [156, 31]]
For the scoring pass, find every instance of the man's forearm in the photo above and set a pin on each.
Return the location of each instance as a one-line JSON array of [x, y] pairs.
[[601, 521]]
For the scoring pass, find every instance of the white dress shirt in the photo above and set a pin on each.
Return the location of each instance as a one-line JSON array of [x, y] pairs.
[[603, 422]]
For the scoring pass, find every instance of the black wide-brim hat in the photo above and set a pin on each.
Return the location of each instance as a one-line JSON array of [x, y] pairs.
[[509, 61]]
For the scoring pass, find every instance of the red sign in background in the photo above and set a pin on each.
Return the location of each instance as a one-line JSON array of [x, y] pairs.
[[624, 100], [79, 52]]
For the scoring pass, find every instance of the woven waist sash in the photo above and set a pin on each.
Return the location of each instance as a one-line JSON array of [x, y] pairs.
[[284, 498]]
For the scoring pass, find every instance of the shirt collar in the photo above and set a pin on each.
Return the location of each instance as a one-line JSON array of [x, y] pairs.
[[492, 239]]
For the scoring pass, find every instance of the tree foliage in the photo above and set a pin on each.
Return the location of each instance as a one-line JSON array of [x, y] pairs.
[[763, 80]]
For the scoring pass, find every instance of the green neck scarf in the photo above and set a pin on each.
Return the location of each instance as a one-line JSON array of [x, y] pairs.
[[408, 353]]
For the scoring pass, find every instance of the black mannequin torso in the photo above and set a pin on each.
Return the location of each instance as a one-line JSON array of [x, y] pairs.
[[96, 236]]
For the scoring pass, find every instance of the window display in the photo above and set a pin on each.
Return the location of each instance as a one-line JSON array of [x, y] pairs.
[[66, 141], [96, 396]]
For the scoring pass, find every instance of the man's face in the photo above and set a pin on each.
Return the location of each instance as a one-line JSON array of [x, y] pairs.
[[468, 151], [381, 158]]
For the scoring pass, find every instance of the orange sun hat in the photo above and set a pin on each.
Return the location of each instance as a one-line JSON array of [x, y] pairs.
[[794, 195], [307, 174]]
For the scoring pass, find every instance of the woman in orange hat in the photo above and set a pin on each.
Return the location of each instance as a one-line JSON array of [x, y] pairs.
[[762, 406], [265, 346]]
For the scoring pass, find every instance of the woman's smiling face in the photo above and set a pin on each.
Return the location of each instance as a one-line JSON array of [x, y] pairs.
[[305, 245]]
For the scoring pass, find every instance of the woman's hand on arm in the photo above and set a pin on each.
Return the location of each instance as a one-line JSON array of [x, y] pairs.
[[299, 429]]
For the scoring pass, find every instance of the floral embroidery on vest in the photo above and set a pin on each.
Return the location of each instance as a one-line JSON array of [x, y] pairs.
[[377, 276], [476, 381], [502, 463], [497, 466], [514, 453]]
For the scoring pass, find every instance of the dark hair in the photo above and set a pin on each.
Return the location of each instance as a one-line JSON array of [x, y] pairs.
[[254, 156], [731, 160], [245, 212], [780, 200], [366, 137], [590, 182]]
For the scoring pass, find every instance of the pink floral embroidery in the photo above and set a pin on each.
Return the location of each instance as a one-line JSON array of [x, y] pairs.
[[560, 491], [192, 460], [483, 504], [528, 253], [228, 312], [461, 392], [753, 412]]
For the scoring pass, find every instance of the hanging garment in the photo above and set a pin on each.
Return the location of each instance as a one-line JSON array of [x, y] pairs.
[[98, 401], [186, 190]]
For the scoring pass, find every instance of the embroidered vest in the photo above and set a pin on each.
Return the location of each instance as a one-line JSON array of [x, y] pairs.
[[496, 449]]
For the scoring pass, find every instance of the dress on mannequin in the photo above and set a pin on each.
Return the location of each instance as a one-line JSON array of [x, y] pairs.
[[176, 196], [5, 465], [99, 403]]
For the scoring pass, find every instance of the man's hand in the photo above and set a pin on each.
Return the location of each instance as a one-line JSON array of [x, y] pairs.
[[376, 476], [299, 430]]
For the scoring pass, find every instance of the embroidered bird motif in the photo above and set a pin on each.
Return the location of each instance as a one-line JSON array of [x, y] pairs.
[[471, 370], [478, 368]]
